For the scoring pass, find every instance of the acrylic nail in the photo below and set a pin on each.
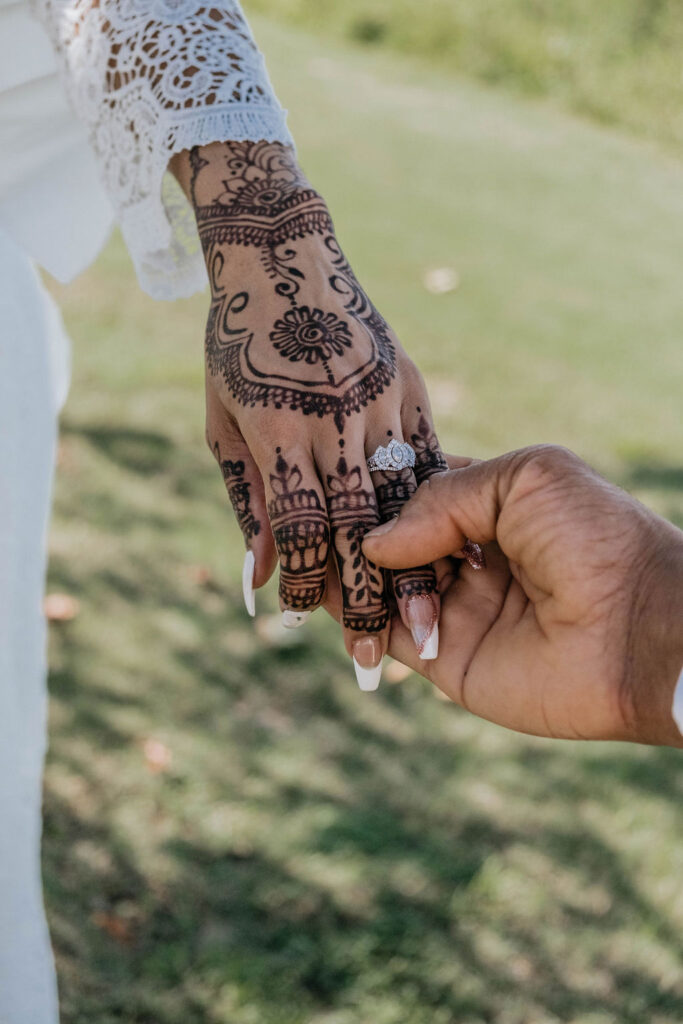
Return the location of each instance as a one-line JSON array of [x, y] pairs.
[[474, 555], [248, 582], [367, 661], [383, 528], [292, 620], [423, 621]]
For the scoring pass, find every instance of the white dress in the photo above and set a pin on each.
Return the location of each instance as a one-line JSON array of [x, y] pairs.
[[90, 112]]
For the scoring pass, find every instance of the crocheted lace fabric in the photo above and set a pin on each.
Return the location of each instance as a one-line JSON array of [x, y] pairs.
[[150, 78]]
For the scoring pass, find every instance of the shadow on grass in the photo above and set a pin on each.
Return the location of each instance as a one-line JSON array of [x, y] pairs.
[[140, 451], [309, 854], [661, 476]]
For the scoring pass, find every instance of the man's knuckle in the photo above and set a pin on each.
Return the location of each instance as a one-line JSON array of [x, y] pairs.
[[545, 464]]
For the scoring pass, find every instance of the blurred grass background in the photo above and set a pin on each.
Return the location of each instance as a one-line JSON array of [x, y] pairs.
[[234, 834], [618, 61]]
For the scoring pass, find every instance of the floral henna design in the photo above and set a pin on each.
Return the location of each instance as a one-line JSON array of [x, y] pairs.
[[238, 492], [265, 198], [302, 537], [393, 492], [311, 335], [353, 511], [333, 391], [428, 455], [345, 363]]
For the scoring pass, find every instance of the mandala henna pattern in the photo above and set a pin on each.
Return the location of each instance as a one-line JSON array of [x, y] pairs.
[[302, 537], [238, 492], [331, 365], [353, 511], [311, 335]]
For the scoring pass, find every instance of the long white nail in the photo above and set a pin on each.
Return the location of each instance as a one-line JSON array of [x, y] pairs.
[[423, 620], [368, 678], [248, 582], [292, 620], [367, 661], [430, 650]]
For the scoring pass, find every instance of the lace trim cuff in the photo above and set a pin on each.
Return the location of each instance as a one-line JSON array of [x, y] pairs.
[[160, 230]]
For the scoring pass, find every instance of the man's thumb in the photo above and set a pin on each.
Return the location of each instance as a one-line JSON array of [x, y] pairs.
[[445, 511]]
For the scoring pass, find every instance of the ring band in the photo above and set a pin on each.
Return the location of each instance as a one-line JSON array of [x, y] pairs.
[[397, 455]]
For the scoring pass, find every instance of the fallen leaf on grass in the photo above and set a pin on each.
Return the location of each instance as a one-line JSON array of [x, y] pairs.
[[199, 574], [117, 928], [60, 607]]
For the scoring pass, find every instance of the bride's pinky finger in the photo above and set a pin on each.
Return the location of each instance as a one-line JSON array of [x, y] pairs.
[[430, 460], [244, 486]]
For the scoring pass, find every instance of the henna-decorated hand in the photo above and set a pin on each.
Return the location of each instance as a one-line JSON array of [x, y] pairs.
[[304, 379]]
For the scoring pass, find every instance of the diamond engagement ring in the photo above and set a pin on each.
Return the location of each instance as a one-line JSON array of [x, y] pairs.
[[396, 455]]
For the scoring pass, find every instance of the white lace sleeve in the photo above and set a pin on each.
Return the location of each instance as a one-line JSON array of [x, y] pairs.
[[150, 78]]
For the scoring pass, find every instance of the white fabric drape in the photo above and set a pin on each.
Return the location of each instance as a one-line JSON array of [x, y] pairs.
[[144, 79], [52, 202], [33, 379], [88, 121]]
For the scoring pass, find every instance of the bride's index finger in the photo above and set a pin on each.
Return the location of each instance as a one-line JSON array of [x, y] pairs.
[[352, 509]]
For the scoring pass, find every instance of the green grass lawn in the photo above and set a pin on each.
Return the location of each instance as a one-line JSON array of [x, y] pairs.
[[617, 61], [234, 834]]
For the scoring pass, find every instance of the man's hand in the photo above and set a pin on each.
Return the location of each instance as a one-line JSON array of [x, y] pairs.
[[575, 628], [304, 379]]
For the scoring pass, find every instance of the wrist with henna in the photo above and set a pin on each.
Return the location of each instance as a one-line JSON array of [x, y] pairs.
[[252, 205]]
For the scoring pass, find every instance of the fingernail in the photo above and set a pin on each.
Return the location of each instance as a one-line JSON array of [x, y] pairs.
[[292, 620], [367, 661], [248, 582], [383, 528], [474, 555], [424, 625]]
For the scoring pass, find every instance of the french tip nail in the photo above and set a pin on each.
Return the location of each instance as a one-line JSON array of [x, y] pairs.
[[248, 582], [430, 648], [368, 678], [292, 620], [423, 619]]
